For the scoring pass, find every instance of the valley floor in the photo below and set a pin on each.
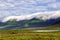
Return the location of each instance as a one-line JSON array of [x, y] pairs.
[[32, 33], [27, 35]]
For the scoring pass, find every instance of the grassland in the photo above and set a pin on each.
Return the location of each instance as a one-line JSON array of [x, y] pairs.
[[28, 35], [24, 34]]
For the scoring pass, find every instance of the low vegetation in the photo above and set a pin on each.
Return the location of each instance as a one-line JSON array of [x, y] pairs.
[[28, 35]]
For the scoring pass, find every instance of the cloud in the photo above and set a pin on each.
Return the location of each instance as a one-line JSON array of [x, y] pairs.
[[40, 15], [55, 5], [46, 1], [4, 14], [24, 7], [9, 0]]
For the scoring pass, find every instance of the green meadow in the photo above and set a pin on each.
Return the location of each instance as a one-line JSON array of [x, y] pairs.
[[28, 35]]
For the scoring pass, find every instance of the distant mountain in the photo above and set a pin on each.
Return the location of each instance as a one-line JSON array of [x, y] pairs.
[[42, 19], [27, 24], [40, 23]]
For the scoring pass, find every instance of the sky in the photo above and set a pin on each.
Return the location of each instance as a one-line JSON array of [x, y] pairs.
[[24, 7]]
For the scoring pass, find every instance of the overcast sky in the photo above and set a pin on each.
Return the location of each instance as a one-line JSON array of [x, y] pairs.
[[24, 7]]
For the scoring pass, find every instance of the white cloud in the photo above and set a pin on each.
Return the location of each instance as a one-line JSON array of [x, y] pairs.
[[4, 13], [55, 5], [2, 5], [22, 7], [46, 1], [6, 5], [39, 15], [52, 5], [9, 0], [10, 5]]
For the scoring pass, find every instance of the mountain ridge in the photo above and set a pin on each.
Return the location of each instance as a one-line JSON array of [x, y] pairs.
[[30, 21]]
